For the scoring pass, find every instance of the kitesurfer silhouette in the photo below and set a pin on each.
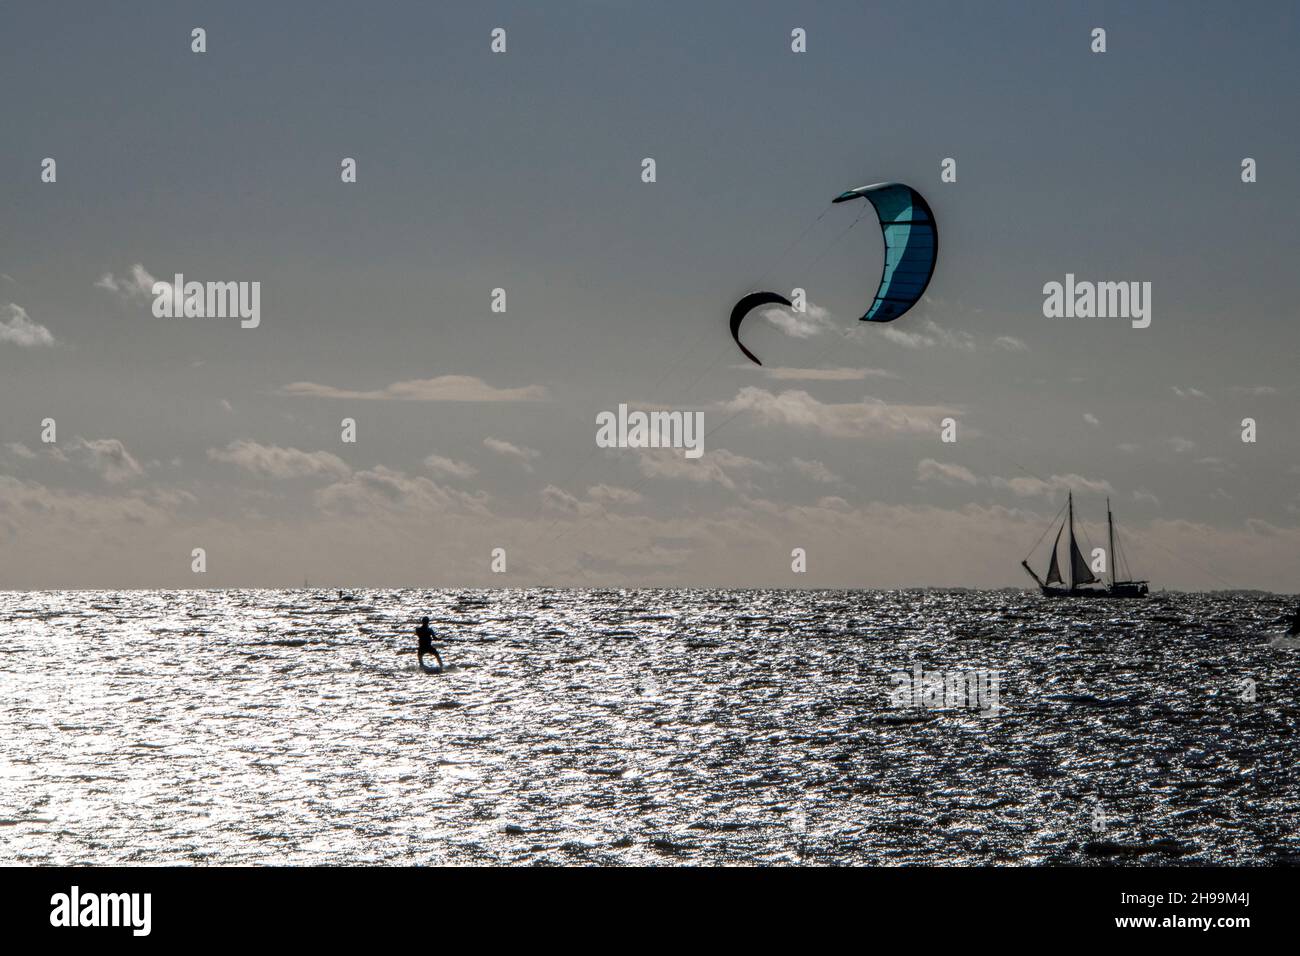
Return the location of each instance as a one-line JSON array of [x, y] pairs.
[[425, 634]]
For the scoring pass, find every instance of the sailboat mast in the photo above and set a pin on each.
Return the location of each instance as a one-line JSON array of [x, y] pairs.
[[1110, 531], [1073, 548]]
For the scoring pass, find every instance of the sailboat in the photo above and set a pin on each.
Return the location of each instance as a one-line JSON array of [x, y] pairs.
[[1081, 581]]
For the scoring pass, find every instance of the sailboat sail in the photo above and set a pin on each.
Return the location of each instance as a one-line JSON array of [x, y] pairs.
[[1054, 570], [1080, 575], [1078, 566]]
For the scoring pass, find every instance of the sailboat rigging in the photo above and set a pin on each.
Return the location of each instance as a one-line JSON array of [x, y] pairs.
[[1082, 582]]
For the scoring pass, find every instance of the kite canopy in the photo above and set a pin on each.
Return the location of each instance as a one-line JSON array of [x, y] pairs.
[[743, 307], [911, 246]]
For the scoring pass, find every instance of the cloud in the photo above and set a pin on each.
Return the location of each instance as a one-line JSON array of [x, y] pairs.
[[729, 459], [1029, 487], [826, 374], [1146, 497], [613, 495], [386, 490], [1091, 419], [444, 388], [1188, 392], [377, 524], [272, 461], [853, 420], [107, 457], [61, 518], [927, 469], [20, 330], [138, 285], [19, 450], [1010, 344], [800, 325], [815, 470], [1257, 391], [1217, 465], [1180, 445], [519, 453], [928, 335], [559, 500], [834, 503], [449, 467], [714, 467]]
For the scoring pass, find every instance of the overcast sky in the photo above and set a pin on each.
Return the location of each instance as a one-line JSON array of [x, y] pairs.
[[476, 430]]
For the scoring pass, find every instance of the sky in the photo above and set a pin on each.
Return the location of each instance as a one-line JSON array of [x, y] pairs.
[[522, 170]]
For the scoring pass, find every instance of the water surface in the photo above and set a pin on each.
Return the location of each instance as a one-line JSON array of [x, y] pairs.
[[642, 727]]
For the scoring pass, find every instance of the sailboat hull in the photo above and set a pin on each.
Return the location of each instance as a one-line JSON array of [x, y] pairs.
[[1121, 589]]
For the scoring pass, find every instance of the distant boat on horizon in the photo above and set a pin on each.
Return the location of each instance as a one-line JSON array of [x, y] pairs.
[[1080, 581]]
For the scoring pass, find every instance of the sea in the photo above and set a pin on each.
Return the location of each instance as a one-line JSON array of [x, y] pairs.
[[647, 727]]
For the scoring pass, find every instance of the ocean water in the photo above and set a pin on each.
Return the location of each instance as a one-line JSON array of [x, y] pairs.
[[645, 727]]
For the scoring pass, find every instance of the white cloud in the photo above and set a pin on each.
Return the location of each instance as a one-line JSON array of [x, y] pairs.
[[852, 420], [555, 498], [1180, 445], [376, 524], [826, 374], [927, 469], [518, 452], [800, 325], [1010, 343], [1091, 419], [138, 285], [1257, 391], [386, 490], [815, 470], [22, 331], [927, 335], [63, 517], [449, 467], [1036, 487], [715, 466], [1188, 392], [729, 459], [19, 450], [444, 388], [613, 495], [107, 457], [272, 461], [1022, 487]]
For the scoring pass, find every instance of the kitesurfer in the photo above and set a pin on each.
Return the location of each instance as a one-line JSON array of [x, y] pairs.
[[1294, 629], [425, 634]]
